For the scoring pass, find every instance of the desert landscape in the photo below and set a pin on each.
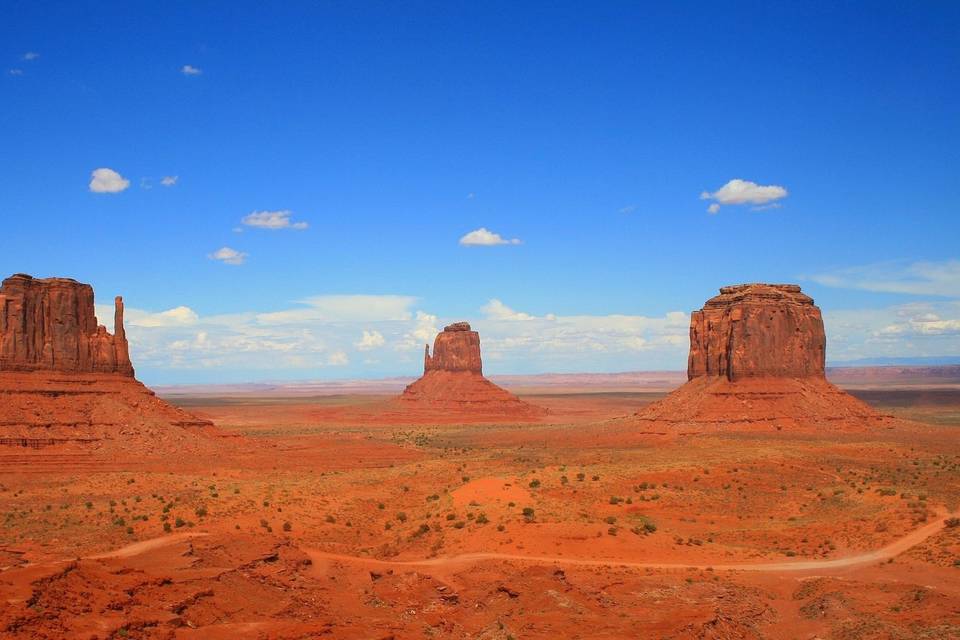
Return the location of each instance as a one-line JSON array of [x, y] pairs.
[[326, 320], [757, 500]]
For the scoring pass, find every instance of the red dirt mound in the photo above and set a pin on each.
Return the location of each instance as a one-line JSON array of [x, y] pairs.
[[757, 361]]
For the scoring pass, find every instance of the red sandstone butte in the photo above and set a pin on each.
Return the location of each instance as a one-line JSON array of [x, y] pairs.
[[64, 379], [757, 354], [49, 325], [453, 385]]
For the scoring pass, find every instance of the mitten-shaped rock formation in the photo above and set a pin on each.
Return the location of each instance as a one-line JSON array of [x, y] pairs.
[[65, 379], [453, 387], [49, 325], [757, 355]]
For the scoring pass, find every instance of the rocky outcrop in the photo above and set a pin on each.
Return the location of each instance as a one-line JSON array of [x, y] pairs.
[[453, 389], [757, 330], [65, 380], [456, 348], [49, 325], [756, 362]]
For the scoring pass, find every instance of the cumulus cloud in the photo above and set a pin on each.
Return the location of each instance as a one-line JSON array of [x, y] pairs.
[[273, 220], [190, 70], [169, 181], [31, 55], [938, 278], [483, 237], [178, 316], [106, 180], [16, 72], [370, 340], [227, 255], [628, 209], [738, 191]]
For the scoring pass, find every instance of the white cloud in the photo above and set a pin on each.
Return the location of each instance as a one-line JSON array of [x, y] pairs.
[[190, 70], [496, 310], [31, 55], [344, 308], [338, 359], [370, 340], [169, 181], [482, 237], [105, 180], [228, 256], [628, 209], [739, 191], [471, 196], [940, 278], [273, 220], [16, 72], [177, 316]]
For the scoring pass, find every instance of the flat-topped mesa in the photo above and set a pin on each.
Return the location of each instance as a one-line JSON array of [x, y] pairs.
[[48, 324], [456, 348], [757, 330]]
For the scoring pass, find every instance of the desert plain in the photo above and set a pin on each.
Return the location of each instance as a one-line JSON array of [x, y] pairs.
[[317, 522]]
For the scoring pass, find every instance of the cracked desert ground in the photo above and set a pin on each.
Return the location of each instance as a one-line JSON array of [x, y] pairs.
[[321, 522]]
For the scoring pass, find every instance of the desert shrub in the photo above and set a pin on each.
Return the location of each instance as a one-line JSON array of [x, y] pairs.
[[528, 513], [330, 519], [952, 522], [179, 522], [287, 526], [610, 520], [534, 483], [459, 524], [167, 527], [451, 516], [581, 476], [482, 519], [201, 511], [402, 517]]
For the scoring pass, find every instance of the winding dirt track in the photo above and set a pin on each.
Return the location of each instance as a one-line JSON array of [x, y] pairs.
[[892, 550]]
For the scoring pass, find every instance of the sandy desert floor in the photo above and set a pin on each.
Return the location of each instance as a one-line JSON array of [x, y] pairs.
[[324, 522]]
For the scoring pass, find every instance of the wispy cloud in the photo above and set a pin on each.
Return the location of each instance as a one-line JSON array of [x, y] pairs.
[[169, 181], [483, 237], [16, 72], [273, 220], [106, 180], [227, 255], [918, 278], [190, 70], [739, 192], [628, 209], [31, 55]]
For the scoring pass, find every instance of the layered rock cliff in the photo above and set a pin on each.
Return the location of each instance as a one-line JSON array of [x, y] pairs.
[[757, 330], [66, 381], [49, 325], [756, 361]]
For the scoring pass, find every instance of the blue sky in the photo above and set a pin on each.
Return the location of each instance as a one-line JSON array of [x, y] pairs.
[[588, 132]]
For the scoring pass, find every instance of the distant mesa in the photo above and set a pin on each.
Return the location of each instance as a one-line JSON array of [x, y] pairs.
[[757, 354], [453, 386], [65, 379]]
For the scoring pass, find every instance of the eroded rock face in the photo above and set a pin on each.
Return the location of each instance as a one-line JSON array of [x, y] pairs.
[[452, 387], [757, 330], [456, 348], [49, 325]]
